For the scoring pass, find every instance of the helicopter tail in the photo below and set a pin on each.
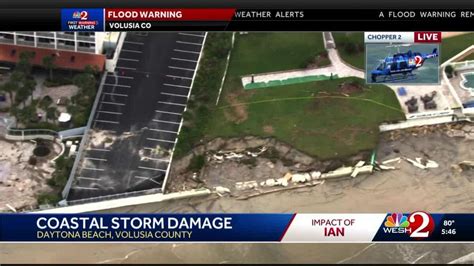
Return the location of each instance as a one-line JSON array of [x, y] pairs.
[[433, 54]]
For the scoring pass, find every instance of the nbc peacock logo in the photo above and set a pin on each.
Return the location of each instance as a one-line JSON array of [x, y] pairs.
[[397, 223]]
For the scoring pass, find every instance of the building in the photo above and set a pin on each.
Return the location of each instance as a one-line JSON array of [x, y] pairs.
[[73, 50]]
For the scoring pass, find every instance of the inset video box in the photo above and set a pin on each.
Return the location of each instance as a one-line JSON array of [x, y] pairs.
[[402, 57]]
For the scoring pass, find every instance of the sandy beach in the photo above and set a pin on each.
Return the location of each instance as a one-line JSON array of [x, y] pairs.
[[403, 190]]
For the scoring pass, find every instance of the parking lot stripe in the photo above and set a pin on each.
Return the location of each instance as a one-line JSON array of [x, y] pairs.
[[161, 140], [121, 104], [89, 188], [153, 169], [132, 51], [93, 169], [128, 59], [116, 94], [88, 178], [185, 51], [97, 149], [162, 130], [128, 68], [163, 121], [191, 43], [120, 77], [178, 104], [95, 159], [166, 112], [189, 93], [147, 178], [109, 112], [177, 86], [178, 77], [190, 34], [174, 94], [156, 159], [106, 121], [181, 68], [181, 59], [117, 85], [138, 43]]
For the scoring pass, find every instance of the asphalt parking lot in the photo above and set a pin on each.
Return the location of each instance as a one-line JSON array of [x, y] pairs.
[[138, 117]]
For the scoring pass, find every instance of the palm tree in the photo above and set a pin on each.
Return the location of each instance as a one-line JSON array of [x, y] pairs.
[[24, 64], [30, 86], [48, 63], [9, 87], [50, 113]]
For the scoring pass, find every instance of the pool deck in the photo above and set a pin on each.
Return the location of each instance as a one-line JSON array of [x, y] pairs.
[[444, 99], [463, 93]]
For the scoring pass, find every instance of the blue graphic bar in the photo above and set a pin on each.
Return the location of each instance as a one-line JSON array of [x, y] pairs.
[[143, 227], [82, 19], [293, 228]]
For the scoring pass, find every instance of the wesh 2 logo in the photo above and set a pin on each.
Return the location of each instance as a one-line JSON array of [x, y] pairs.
[[81, 15], [417, 225]]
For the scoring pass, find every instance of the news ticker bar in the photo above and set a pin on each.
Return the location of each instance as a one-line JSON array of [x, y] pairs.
[[418, 226], [234, 19]]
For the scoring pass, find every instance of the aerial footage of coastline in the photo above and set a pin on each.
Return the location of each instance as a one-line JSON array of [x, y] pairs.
[[232, 122]]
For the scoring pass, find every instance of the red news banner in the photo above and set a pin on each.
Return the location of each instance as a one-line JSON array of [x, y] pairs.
[[146, 18], [168, 14]]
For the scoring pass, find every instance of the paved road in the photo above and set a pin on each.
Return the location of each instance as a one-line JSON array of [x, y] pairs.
[[137, 121]]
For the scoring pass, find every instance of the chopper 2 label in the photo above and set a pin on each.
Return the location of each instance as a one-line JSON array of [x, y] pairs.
[[402, 57]]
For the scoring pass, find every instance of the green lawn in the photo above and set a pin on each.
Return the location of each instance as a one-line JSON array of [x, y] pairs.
[[275, 51], [452, 46], [255, 53], [354, 57], [313, 117]]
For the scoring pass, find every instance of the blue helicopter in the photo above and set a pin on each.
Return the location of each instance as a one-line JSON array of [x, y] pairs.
[[400, 66]]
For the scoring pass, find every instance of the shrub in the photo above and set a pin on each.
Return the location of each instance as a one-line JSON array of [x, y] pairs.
[[197, 163], [204, 91], [79, 119], [449, 70], [45, 102], [50, 198]]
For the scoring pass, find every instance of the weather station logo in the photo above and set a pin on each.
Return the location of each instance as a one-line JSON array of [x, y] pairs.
[[417, 225], [397, 223], [81, 15], [82, 19]]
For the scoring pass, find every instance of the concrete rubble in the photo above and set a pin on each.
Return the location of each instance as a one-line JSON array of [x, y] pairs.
[[20, 182], [422, 163], [419, 162], [221, 155], [307, 177], [462, 130], [394, 160], [221, 190], [463, 166]]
